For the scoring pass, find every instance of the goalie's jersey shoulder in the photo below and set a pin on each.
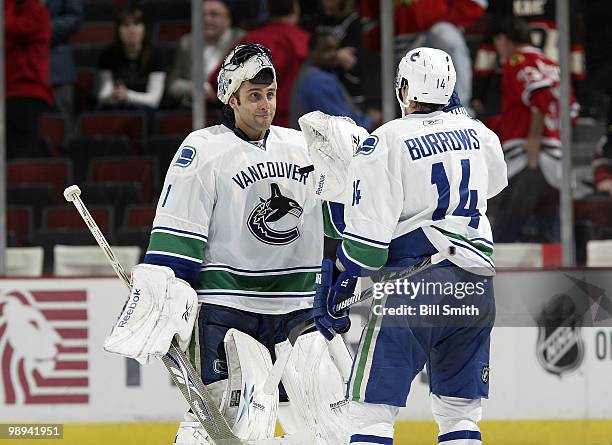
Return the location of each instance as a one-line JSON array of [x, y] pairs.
[[287, 135], [200, 149], [219, 143]]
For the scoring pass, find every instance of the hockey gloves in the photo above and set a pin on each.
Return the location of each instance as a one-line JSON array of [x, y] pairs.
[[335, 286]]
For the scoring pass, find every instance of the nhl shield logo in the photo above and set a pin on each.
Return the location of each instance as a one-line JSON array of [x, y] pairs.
[[560, 348]]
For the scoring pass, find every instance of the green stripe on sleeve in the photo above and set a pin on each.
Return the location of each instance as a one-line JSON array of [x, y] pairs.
[[181, 245], [372, 257], [328, 226], [291, 282]]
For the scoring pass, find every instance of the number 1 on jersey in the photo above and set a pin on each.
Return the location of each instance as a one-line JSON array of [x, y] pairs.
[[468, 199]]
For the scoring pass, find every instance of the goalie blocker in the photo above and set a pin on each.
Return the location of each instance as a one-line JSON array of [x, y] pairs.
[[159, 307]]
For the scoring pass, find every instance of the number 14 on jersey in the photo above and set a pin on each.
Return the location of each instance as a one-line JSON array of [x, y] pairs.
[[468, 199]]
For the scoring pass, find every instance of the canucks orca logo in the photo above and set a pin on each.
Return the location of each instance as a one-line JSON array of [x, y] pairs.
[[368, 146], [271, 210]]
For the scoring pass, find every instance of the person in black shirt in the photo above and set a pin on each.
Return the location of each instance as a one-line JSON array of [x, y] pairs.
[[131, 75]]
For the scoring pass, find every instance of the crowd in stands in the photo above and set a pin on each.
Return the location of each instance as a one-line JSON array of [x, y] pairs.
[[99, 93]]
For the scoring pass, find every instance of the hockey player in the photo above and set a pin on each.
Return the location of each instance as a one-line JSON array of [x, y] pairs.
[[529, 129], [238, 221], [420, 186]]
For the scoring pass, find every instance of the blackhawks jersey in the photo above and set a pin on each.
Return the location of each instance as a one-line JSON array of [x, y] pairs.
[[540, 16], [418, 182], [240, 222], [531, 80]]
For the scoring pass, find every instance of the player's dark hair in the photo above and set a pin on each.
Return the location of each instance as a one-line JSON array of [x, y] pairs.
[[265, 76], [513, 28], [425, 107], [280, 8], [227, 116]]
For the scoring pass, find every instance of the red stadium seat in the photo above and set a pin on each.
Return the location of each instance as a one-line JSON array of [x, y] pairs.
[[53, 128], [94, 33], [19, 220], [164, 147], [127, 169], [66, 217], [174, 123], [139, 216], [171, 31], [114, 123], [54, 171], [85, 89]]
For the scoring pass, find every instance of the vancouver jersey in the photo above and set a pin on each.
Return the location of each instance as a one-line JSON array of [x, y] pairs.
[[418, 182], [240, 221]]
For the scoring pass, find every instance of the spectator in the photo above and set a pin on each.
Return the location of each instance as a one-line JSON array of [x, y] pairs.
[[131, 75], [289, 46], [317, 87], [341, 18], [543, 34], [434, 23], [219, 38], [529, 132], [602, 165], [28, 91], [66, 17]]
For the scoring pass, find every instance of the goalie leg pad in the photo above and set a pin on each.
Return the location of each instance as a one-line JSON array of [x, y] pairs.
[[250, 412], [158, 307], [190, 432], [457, 419], [372, 423], [316, 390]]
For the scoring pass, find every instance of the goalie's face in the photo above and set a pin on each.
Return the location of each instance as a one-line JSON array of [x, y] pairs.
[[254, 107]]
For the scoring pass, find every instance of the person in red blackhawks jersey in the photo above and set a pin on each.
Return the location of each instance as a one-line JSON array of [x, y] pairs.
[[543, 33], [529, 132]]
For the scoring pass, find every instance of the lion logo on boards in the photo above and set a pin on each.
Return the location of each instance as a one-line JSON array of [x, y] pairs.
[[368, 146], [272, 210], [186, 156]]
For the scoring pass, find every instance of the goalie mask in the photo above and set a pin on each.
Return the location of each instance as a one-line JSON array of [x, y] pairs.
[[243, 63], [430, 75]]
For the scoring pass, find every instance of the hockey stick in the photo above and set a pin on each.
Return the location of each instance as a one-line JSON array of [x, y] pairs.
[[181, 371], [276, 373]]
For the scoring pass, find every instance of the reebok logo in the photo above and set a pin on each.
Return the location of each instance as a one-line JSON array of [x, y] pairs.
[[187, 312], [130, 307]]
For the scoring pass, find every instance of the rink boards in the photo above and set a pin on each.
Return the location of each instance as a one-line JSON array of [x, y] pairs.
[[547, 385]]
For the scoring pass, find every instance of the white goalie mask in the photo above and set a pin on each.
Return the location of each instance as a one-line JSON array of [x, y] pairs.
[[430, 75], [243, 63]]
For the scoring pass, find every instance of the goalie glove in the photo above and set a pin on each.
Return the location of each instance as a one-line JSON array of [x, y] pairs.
[[332, 142], [159, 307], [335, 286]]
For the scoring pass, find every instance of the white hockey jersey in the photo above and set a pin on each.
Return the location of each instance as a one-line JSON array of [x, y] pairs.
[[243, 216], [420, 182]]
